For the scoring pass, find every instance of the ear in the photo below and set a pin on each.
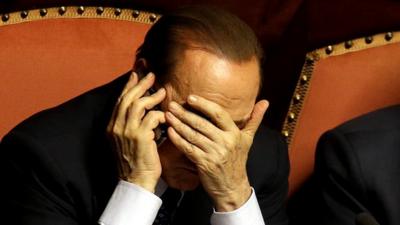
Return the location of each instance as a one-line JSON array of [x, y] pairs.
[[141, 67]]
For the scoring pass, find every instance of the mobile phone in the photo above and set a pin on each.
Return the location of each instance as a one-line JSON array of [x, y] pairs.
[[161, 130]]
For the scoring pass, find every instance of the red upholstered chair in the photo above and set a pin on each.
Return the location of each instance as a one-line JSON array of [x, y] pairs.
[[337, 83], [49, 56]]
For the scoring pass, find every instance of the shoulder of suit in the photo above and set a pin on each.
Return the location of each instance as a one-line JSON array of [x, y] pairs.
[[74, 115], [382, 119]]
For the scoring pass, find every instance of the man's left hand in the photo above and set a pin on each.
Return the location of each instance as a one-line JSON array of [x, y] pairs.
[[218, 148]]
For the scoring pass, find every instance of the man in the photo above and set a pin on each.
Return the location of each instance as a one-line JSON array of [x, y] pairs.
[[60, 168], [358, 170]]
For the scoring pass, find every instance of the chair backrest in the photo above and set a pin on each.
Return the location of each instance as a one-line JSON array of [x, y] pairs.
[[49, 56], [338, 83]]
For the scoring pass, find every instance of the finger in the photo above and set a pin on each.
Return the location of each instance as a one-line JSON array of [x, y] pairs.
[[189, 134], [132, 94], [256, 117], [133, 79], [192, 152], [131, 83], [195, 121], [152, 120], [214, 111], [138, 107], [138, 90]]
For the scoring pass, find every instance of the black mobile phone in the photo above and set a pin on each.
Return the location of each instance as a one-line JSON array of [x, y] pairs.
[[161, 130]]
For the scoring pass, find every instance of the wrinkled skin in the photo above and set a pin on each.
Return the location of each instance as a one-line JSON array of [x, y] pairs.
[[210, 148]]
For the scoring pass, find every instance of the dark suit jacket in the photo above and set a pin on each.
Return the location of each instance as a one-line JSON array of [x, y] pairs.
[[358, 169], [57, 167]]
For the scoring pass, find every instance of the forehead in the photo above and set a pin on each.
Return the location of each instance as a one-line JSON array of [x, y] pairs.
[[234, 86]]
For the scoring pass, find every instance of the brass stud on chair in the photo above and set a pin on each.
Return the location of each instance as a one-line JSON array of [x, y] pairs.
[[99, 10], [297, 98], [285, 133], [388, 36], [5, 17], [117, 12], [369, 39], [329, 50], [292, 116], [62, 10], [81, 10], [43, 12], [24, 14], [153, 17], [304, 79], [309, 60], [135, 13], [348, 44]]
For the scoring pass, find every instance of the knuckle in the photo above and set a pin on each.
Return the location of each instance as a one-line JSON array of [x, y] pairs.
[[212, 168], [116, 131], [199, 125], [204, 166], [230, 143], [222, 158], [152, 114], [190, 148], [122, 96], [138, 103], [218, 115], [129, 110], [129, 134], [194, 137]]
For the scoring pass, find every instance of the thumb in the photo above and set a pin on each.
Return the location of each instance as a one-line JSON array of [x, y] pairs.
[[256, 117]]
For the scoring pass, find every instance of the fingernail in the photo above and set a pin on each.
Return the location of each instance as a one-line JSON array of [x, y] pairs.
[[173, 106], [192, 98], [150, 75]]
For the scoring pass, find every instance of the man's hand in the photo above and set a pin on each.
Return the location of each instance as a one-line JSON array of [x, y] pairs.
[[219, 149], [131, 131]]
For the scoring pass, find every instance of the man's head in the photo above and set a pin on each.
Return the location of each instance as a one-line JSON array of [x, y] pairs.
[[196, 27], [206, 52]]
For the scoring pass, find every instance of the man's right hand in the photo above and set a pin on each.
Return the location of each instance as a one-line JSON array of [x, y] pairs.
[[131, 131]]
